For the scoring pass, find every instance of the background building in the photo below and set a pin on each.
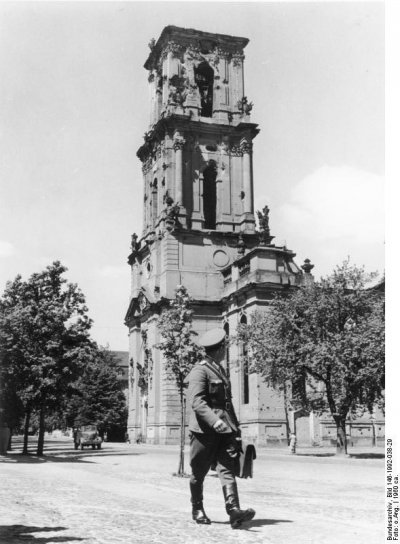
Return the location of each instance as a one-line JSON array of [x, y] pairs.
[[122, 361], [199, 231]]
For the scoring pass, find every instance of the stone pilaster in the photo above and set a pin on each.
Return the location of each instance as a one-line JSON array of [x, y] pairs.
[[248, 221]]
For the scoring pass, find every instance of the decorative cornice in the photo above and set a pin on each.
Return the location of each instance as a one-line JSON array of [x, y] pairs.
[[222, 52], [172, 47], [177, 39], [193, 52]]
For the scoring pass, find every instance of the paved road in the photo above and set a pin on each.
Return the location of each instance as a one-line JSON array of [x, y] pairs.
[[127, 493]]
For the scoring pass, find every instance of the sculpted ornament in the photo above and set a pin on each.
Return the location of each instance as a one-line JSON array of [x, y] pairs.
[[237, 59], [221, 53], [244, 105], [224, 147], [134, 244], [171, 213], [193, 52], [146, 165], [179, 144], [172, 47], [236, 151], [178, 89], [246, 147], [263, 224], [241, 246]]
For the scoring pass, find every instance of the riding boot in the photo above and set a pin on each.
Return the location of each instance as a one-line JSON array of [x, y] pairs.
[[236, 515], [198, 514]]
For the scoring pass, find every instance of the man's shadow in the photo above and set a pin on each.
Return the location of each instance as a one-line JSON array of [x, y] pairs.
[[15, 534], [256, 523]]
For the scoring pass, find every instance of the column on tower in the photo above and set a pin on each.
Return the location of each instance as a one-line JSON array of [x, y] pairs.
[[145, 170], [178, 148], [247, 173], [170, 68], [237, 78], [153, 97], [223, 190], [246, 148], [221, 87], [197, 218]]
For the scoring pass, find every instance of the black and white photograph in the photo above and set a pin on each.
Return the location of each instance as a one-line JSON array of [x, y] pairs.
[[193, 266]]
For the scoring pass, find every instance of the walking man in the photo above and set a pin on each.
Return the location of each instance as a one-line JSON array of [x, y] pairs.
[[214, 430]]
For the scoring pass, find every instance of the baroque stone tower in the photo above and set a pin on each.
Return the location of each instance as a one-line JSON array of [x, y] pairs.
[[199, 228]]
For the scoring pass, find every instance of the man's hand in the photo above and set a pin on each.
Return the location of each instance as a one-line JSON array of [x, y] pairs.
[[220, 426]]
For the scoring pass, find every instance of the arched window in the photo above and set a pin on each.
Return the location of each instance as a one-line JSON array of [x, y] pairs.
[[245, 366], [210, 196], [204, 76]]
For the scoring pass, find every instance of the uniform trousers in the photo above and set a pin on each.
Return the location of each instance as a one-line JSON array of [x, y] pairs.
[[207, 449]]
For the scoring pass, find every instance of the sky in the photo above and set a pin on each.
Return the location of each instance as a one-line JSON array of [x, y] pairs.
[[75, 107]]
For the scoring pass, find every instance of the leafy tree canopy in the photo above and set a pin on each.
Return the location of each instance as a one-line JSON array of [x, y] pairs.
[[180, 350], [327, 339], [44, 337], [44, 332], [99, 399]]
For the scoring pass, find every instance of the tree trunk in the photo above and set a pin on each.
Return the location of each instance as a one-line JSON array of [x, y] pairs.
[[289, 431], [40, 444], [26, 430], [10, 439], [181, 468], [341, 439]]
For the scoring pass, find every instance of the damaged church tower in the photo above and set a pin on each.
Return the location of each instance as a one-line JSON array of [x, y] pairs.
[[199, 229]]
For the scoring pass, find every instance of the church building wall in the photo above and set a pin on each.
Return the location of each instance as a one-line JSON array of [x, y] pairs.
[[199, 230]]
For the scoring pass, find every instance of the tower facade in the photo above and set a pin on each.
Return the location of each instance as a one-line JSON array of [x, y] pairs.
[[199, 228]]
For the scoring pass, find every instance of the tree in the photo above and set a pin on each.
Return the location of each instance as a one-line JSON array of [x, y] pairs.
[[11, 407], [326, 340], [99, 399], [180, 350], [44, 340]]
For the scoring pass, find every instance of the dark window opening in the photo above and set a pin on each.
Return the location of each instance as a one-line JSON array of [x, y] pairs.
[[245, 358], [204, 76], [227, 354], [154, 200], [210, 197]]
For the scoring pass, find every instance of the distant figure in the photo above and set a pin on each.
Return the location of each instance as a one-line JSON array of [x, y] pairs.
[[127, 439]]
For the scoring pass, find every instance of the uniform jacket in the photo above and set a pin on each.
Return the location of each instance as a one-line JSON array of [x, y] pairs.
[[210, 398]]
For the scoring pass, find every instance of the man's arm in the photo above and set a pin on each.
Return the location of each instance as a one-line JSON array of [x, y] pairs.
[[197, 395]]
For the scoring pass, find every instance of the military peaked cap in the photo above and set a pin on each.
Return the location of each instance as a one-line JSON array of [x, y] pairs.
[[212, 338]]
